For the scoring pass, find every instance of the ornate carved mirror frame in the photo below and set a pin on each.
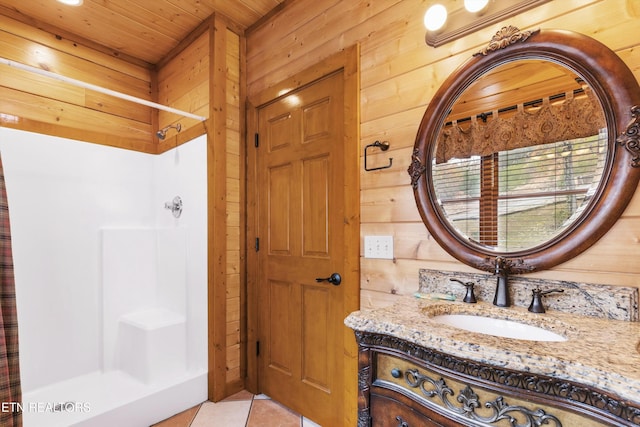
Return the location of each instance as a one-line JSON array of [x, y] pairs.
[[612, 83]]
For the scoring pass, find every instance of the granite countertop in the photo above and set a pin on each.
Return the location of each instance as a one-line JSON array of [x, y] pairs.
[[598, 352]]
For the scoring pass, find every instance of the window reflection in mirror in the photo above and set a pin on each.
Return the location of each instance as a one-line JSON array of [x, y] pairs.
[[540, 191], [514, 169]]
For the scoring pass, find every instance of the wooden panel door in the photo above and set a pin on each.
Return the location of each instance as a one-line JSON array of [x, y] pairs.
[[300, 171]]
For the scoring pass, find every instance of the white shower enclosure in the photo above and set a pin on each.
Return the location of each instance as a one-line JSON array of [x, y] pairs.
[[111, 287]]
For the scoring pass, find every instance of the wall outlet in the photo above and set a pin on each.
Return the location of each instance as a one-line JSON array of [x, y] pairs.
[[378, 247]]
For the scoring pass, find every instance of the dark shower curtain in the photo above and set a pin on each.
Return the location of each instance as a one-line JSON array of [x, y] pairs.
[[10, 391]]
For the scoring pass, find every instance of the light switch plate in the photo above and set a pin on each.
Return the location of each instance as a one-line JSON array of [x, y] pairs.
[[380, 247]]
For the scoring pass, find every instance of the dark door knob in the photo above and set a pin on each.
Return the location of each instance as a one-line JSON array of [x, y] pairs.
[[334, 279]]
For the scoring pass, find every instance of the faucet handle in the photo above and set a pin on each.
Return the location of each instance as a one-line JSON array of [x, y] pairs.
[[469, 296], [536, 302]]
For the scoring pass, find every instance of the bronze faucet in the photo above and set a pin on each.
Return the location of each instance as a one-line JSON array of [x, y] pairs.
[[501, 297], [536, 302], [469, 296]]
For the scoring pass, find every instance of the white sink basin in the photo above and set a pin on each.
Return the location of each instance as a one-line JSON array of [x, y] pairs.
[[498, 327]]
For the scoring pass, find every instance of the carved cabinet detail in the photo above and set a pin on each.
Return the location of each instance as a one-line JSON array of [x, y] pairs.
[[404, 385]]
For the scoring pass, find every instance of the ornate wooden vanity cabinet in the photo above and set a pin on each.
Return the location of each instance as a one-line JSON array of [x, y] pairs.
[[402, 384]]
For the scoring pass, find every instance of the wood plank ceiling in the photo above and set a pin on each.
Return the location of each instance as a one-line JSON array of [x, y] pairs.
[[146, 30]]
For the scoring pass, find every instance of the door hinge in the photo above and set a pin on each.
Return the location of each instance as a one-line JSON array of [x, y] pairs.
[[257, 348], [257, 244], [256, 140]]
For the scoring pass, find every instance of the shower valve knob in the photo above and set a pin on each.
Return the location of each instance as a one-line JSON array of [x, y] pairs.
[[175, 206]]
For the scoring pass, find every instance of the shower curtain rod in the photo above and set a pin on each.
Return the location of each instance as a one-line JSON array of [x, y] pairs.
[[96, 88]]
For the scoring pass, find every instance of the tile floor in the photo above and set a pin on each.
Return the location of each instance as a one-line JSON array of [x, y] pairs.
[[240, 410]]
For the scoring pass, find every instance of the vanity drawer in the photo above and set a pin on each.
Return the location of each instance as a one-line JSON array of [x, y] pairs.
[[389, 412], [453, 400]]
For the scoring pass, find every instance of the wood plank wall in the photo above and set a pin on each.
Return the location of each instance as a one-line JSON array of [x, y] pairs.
[[189, 82], [40, 104], [399, 75], [235, 232], [183, 83]]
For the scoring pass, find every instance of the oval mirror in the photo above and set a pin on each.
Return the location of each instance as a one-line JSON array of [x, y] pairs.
[[528, 153]]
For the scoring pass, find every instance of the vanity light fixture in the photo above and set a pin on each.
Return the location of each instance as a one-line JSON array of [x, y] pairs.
[[71, 2], [475, 6], [435, 17], [475, 15]]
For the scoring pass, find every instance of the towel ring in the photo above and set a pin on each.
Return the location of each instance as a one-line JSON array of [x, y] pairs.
[[384, 146]]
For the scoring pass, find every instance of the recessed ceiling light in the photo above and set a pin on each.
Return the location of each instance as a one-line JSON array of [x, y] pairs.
[[71, 2]]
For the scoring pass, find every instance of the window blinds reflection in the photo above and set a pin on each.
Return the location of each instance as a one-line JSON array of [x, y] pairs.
[[517, 199]]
